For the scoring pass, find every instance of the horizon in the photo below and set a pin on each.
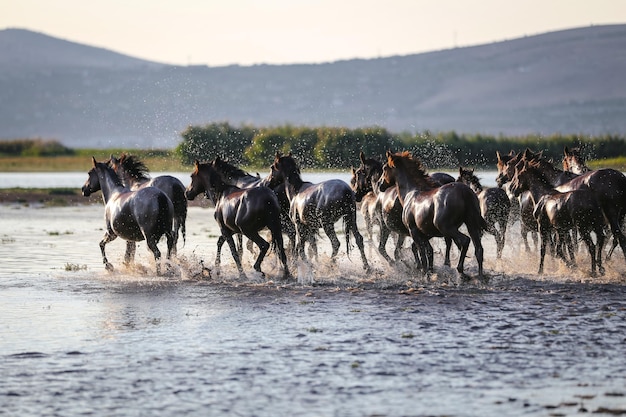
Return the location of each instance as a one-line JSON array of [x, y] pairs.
[[282, 32]]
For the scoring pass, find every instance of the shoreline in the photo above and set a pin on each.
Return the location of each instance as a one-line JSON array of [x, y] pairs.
[[53, 197]]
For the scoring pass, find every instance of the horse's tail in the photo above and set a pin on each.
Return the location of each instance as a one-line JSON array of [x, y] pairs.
[[274, 225], [180, 210], [474, 217]]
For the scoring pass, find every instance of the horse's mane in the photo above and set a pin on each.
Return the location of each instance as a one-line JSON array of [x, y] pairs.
[[412, 165], [228, 170], [134, 167], [291, 164], [534, 167], [116, 178]]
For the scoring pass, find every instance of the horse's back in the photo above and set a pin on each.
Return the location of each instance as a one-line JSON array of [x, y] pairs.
[[135, 214]]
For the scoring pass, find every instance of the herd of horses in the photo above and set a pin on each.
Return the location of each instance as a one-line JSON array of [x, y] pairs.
[[396, 196]]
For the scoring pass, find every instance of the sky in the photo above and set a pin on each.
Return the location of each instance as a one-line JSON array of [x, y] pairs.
[[248, 32]]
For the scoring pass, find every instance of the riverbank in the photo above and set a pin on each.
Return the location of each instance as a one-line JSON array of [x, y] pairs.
[[62, 197]]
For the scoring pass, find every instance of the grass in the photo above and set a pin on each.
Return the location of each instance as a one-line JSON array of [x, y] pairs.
[[157, 161]]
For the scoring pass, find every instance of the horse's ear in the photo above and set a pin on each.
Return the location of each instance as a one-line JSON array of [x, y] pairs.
[[566, 151], [362, 157], [528, 154], [498, 156], [277, 156], [290, 154], [196, 163], [388, 154], [460, 170], [94, 161], [353, 171]]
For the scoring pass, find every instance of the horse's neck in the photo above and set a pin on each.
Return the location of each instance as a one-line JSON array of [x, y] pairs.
[[293, 185], [539, 188], [109, 185], [554, 175], [405, 184]]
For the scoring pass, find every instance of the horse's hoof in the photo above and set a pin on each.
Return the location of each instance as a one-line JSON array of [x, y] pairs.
[[601, 270], [108, 267]]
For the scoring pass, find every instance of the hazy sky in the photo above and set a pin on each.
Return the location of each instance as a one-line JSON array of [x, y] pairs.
[[222, 32]]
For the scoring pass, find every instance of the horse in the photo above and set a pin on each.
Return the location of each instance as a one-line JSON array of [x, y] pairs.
[[240, 210], [562, 212], [134, 174], [146, 214], [574, 161], [315, 206], [236, 176], [430, 211], [607, 185], [495, 206]]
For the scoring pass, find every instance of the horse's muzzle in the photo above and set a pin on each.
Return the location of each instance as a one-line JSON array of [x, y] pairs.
[[86, 191]]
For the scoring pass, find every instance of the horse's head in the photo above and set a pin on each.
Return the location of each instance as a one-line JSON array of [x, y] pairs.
[[284, 168], [467, 177], [526, 175], [93, 181], [574, 161], [360, 183], [197, 185], [388, 176]]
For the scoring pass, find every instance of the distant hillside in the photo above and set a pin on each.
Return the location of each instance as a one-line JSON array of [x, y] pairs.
[[571, 81]]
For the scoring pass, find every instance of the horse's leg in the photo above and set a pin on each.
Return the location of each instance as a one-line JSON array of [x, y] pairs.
[[329, 229], [503, 225], [279, 245], [151, 241], [384, 236], [600, 239], [234, 252], [475, 236], [176, 228], [218, 255], [263, 247], [572, 247], [462, 242], [358, 238], [446, 260], [591, 247], [129, 256], [108, 237], [240, 245], [397, 252], [545, 239]]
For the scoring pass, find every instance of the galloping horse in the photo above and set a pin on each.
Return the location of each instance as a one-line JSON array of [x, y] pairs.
[[561, 212], [573, 161], [145, 214], [430, 211], [384, 208], [134, 175], [238, 210], [495, 206], [607, 185], [315, 206], [236, 176]]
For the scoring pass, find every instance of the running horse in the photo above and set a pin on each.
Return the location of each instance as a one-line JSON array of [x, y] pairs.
[[495, 206], [574, 161], [562, 212], [430, 211], [134, 174], [245, 211], [315, 206], [146, 214]]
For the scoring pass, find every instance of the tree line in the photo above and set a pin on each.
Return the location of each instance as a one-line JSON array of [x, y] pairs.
[[337, 147]]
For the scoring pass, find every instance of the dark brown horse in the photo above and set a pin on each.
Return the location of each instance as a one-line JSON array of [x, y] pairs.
[[495, 206], [384, 208], [234, 175], [562, 212], [607, 185], [574, 161], [237, 210], [430, 211], [146, 214], [134, 174], [315, 206]]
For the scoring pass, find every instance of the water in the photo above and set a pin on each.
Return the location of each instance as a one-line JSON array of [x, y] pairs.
[[75, 339], [77, 179]]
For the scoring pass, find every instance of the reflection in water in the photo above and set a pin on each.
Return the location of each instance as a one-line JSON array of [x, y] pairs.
[[348, 343]]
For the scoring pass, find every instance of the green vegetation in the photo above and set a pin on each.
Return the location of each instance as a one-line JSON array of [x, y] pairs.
[[314, 148]]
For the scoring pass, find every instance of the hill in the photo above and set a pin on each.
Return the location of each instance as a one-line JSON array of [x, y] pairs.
[[569, 81]]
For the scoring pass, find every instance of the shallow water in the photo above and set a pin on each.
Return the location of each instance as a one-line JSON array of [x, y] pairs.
[[75, 339]]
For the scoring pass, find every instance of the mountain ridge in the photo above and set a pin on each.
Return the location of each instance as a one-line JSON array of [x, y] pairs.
[[569, 81]]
